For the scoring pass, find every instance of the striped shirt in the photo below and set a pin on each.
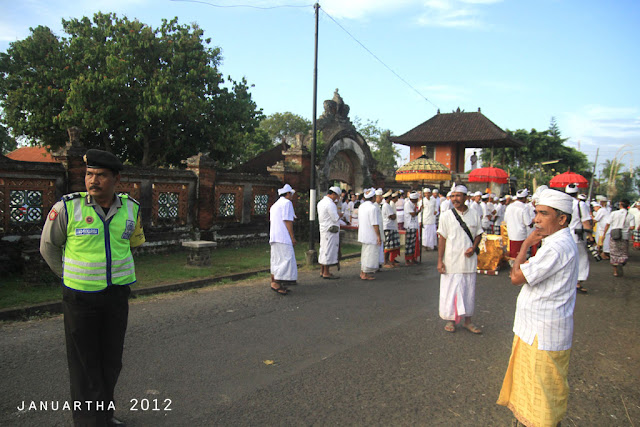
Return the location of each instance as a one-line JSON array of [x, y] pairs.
[[545, 304]]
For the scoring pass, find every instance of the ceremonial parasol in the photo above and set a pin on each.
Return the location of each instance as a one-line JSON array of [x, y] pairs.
[[564, 179], [489, 174], [423, 169]]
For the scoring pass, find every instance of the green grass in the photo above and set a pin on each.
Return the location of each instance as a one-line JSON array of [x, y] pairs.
[[152, 270]]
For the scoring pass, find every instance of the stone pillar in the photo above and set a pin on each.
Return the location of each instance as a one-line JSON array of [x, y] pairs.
[[72, 158], [203, 166]]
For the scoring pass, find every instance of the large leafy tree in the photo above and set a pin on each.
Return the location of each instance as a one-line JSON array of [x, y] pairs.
[[617, 182], [379, 140], [543, 156], [283, 126], [153, 96], [7, 142]]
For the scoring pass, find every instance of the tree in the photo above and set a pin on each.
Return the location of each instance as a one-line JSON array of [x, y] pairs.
[[530, 162], [616, 183], [7, 142], [382, 149], [152, 96], [282, 126]]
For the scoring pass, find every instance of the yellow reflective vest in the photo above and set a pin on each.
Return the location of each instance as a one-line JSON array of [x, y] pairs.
[[97, 253]]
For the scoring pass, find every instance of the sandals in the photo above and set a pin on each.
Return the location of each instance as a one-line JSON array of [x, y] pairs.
[[366, 277], [280, 290], [472, 328], [450, 327], [581, 289]]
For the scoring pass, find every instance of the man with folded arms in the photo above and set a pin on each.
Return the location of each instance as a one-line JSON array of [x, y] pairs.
[[328, 219], [535, 386]]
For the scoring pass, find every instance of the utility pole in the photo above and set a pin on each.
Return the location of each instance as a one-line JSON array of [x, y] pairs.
[[593, 174], [311, 253]]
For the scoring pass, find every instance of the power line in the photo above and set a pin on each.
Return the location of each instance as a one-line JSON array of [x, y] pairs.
[[380, 60], [248, 6]]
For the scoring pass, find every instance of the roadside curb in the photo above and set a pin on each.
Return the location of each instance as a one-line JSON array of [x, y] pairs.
[[55, 307]]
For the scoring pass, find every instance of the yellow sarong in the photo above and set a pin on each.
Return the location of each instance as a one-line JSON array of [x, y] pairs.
[[535, 386]]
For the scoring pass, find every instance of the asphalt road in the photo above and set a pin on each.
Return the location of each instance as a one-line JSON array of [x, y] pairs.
[[344, 352]]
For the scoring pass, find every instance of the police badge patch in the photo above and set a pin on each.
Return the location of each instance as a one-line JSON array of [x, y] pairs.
[[129, 228], [89, 219]]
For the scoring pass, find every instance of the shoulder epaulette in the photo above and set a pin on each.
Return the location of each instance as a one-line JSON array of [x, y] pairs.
[[130, 198], [71, 196]]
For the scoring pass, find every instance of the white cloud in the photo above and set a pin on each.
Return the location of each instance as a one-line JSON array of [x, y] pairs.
[[454, 13], [614, 130]]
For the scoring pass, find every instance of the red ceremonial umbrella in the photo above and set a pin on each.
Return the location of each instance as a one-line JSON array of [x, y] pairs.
[[489, 174], [564, 179]]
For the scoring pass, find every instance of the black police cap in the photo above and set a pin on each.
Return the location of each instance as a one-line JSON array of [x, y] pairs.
[[102, 160]]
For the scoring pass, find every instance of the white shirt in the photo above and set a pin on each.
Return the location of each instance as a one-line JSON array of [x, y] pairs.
[[578, 218], [445, 205], [400, 209], [636, 214], [410, 222], [500, 208], [476, 207], [367, 218], [327, 214], [458, 241], [602, 217], [388, 210], [281, 211], [545, 304], [518, 218], [429, 211], [622, 219]]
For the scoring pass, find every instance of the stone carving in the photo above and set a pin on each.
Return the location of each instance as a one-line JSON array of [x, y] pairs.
[[336, 109]]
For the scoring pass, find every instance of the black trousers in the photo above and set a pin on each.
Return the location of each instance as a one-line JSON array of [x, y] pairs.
[[95, 324]]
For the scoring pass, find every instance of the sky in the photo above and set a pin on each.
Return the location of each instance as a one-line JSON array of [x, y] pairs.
[[397, 62]]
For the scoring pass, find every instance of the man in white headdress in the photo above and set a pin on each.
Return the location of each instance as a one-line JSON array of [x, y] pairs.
[[411, 211], [378, 203], [460, 232], [474, 203], [580, 227], [500, 208], [390, 226], [518, 219], [446, 203], [602, 218], [428, 217], [369, 236], [328, 220], [284, 269], [535, 386], [400, 209], [488, 213]]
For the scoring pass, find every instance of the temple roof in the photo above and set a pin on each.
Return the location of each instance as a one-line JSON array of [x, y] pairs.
[[472, 130], [260, 163], [31, 154]]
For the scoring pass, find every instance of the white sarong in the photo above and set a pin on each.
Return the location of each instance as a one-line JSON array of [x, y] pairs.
[[583, 261], [328, 250], [429, 236], [370, 258], [457, 295], [283, 262]]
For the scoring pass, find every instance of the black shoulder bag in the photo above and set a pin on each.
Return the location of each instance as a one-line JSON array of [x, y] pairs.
[[465, 228]]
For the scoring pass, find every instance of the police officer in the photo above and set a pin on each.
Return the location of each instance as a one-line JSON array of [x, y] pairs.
[[87, 240]]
